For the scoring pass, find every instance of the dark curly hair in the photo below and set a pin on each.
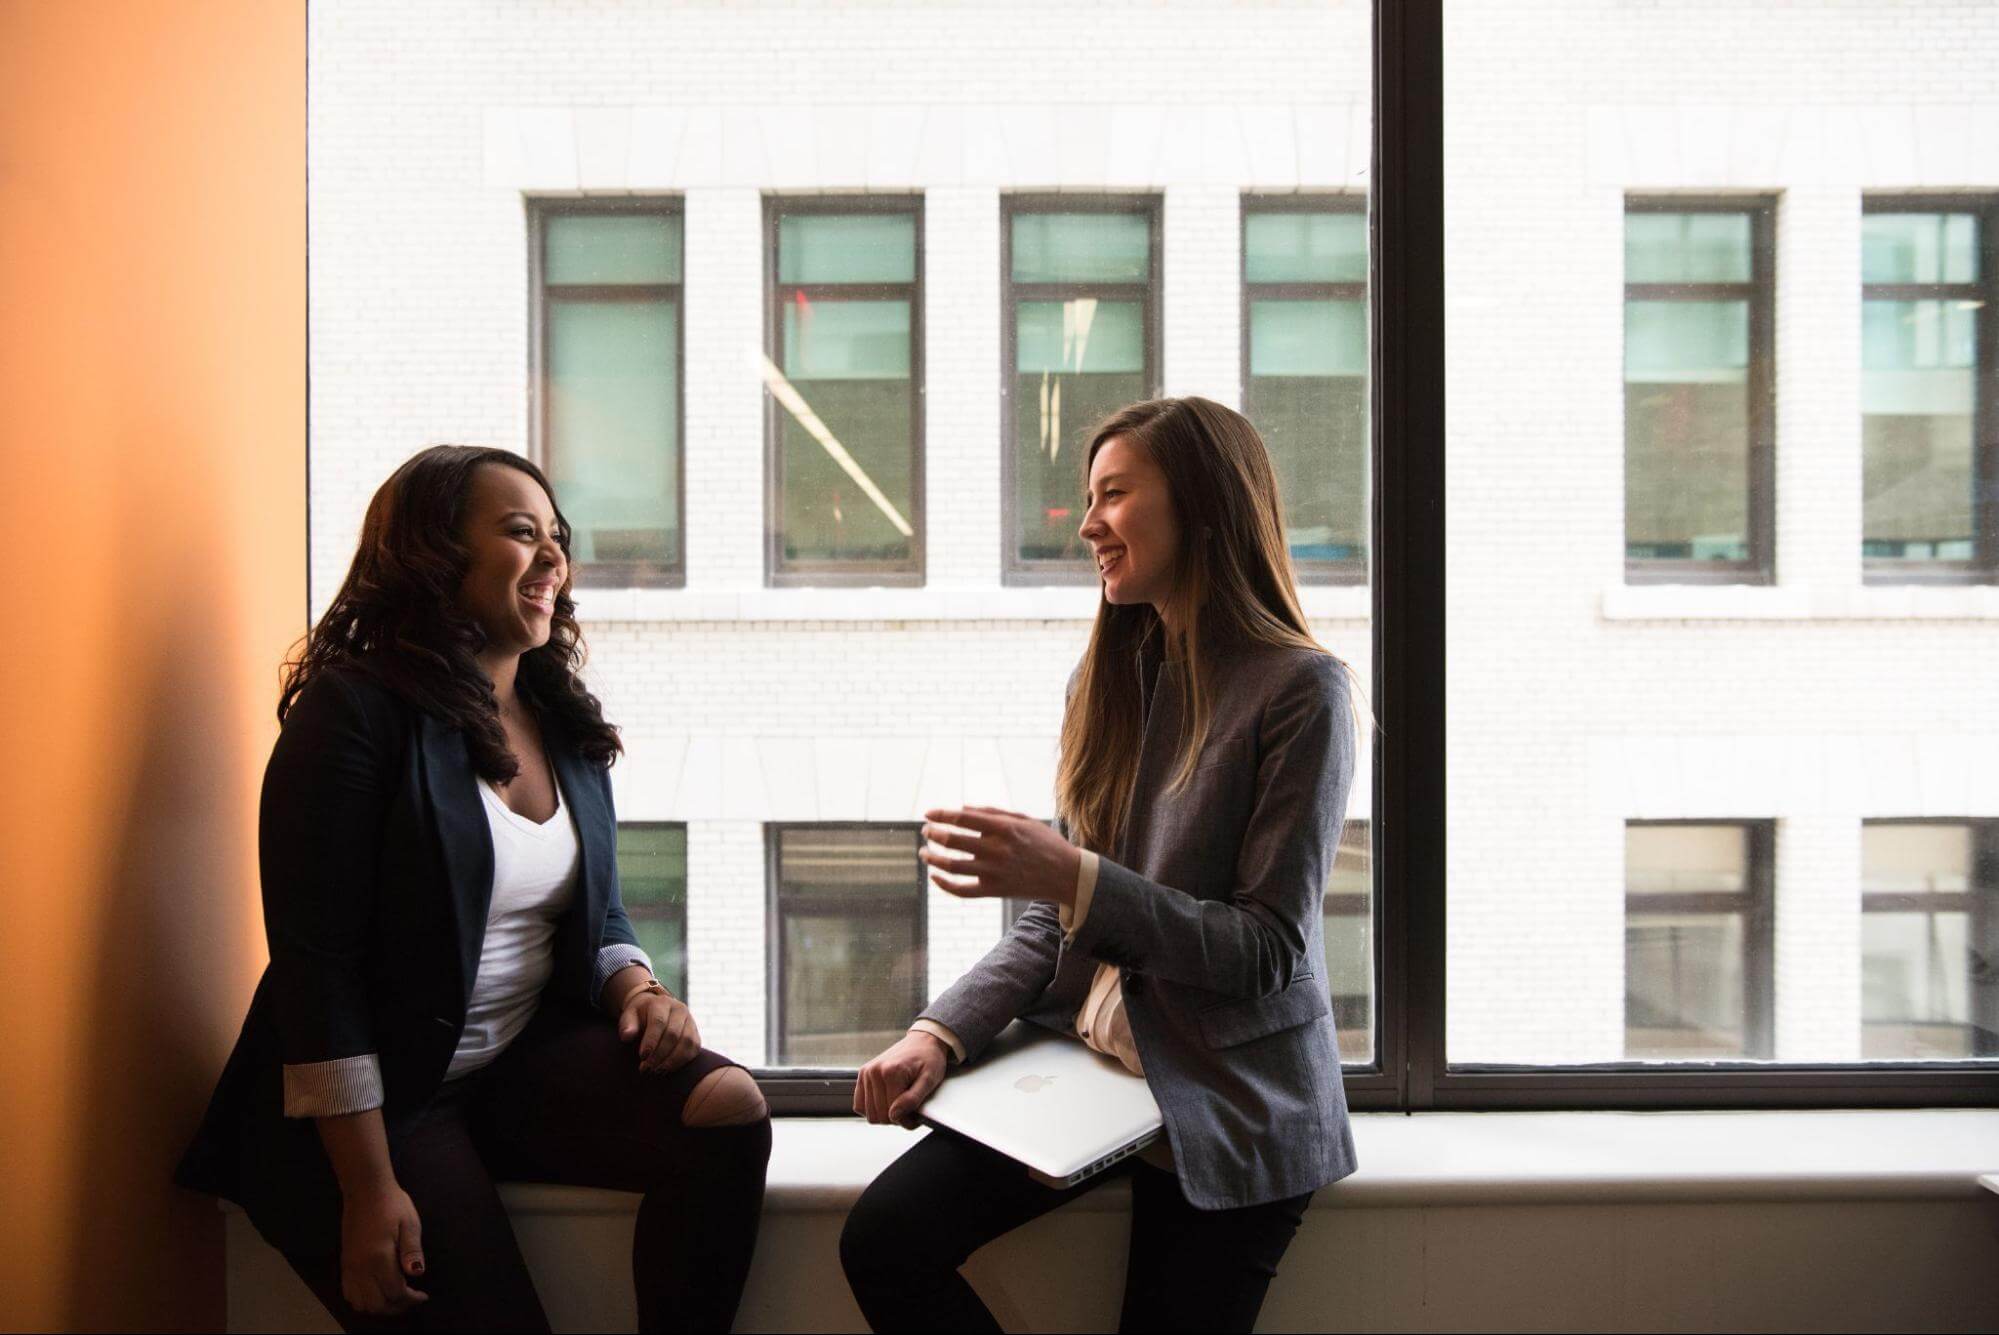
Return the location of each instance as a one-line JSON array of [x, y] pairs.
[[397, 619]]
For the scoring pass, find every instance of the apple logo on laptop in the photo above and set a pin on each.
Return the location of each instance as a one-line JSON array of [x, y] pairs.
[[1032, 1084]]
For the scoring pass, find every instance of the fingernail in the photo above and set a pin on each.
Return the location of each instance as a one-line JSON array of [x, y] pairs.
[[416, 1267]]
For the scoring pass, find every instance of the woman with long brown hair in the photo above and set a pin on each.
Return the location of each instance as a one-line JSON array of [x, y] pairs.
[[1207, 751], [455, 994]]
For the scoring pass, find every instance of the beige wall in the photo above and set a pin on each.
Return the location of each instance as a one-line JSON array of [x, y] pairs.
[[152, 418]]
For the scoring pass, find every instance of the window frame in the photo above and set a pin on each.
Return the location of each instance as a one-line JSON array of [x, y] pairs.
[[1014, 571], [1979, 903], [672, 573], [1760, 567], [1303, 201], [1983, 567], [778, 573], [810, 1079], [1756, 901]]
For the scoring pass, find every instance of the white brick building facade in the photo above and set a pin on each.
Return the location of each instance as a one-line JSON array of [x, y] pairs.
[[1576, 702]]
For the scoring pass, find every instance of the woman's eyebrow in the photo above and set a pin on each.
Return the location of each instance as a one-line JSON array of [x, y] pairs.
[[523, 514]]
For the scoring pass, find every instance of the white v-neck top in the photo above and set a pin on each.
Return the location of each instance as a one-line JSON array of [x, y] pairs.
[[534, 879]]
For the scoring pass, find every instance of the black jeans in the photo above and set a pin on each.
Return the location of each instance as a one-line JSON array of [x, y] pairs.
[[1189, 1269], [565, 1103]]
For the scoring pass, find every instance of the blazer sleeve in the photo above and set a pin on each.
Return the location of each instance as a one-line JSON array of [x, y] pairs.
[[1005, 984], [1253, 943], [319, 829]]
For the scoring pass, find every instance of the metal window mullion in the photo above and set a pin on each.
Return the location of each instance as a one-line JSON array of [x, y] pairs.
[[1406, 363]]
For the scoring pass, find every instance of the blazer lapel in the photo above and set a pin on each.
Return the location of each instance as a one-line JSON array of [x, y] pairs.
[[465, 839]]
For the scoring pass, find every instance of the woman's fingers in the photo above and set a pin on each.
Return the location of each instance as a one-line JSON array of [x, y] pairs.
[[409, 1244], [902, 1109], [655, 1032], [964, 887]]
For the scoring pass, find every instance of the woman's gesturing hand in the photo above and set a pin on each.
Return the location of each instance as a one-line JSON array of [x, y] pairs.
[[987, 853], [894, 1085], [664, 1028], [381, 1250]]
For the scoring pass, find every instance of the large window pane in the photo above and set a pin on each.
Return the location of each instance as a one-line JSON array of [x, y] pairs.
[[652, 880], [1923, 302], [848, 962], [1079, 306], [844, 394], [1701, 344], [1305, 382], [1929, 941], [611, 315]]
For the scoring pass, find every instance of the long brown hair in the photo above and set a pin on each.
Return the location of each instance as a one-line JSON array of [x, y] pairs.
[[396, 617], [1232, 587]]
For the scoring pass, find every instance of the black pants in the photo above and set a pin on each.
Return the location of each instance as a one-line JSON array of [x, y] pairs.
[[1189, 1269], [565, 1103]]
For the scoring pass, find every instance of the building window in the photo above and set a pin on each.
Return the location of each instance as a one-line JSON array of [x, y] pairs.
[[847, 941], [844, 370], [652, 880], [1350, 943], [1304, 284], [1929, 962], [608, 361], [1930, 437], [1081, 341], [1697, 941], [1698, 478]]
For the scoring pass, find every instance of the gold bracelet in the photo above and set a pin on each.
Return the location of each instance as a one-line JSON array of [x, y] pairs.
[[652, 985]]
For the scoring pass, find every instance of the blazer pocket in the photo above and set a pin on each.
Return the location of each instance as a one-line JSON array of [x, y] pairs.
[[1244, 1019]]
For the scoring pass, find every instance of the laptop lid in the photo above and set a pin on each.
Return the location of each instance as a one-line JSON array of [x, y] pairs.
[[1046, 1100]]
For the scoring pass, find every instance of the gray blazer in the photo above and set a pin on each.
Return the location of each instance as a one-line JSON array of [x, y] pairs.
[[1212, 907]]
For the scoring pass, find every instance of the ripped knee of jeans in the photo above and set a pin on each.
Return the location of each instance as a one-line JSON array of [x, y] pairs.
[[728, 1097]]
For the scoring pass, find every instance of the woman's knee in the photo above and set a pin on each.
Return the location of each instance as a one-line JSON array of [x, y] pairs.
[[725, 1097]]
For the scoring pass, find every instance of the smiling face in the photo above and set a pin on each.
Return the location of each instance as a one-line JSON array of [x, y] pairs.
[[1130, 525], [517, 566]]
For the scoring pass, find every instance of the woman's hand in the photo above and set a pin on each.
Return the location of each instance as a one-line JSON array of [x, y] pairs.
[[381, 1250], [664, 1028], [894, 1085], [987, 853]]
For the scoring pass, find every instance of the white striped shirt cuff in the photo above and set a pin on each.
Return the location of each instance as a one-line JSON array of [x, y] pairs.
[[333, 1089], [614, 957]]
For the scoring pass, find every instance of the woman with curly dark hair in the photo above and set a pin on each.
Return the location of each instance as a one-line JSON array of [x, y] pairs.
[[455, 994]]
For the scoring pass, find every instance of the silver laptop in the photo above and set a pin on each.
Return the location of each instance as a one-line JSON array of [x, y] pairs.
[[1064, 1111]]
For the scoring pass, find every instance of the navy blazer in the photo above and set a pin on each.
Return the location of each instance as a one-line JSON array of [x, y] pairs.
[[377, 867]]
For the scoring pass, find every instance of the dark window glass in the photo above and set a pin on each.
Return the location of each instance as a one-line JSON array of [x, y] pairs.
[[652, 880], [1350, 943], [1080, 345], [1305, 371], [610, 411], [847, 958], [1697, 942], [1697, 490], [1923, 300], [843, 376], [1929, 964]]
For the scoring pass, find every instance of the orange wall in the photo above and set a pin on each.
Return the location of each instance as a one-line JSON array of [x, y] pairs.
[[152, 442]]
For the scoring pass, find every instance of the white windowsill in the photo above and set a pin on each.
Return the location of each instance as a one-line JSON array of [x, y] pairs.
[[1053, 603], [820, 1165], [1754, 602]]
